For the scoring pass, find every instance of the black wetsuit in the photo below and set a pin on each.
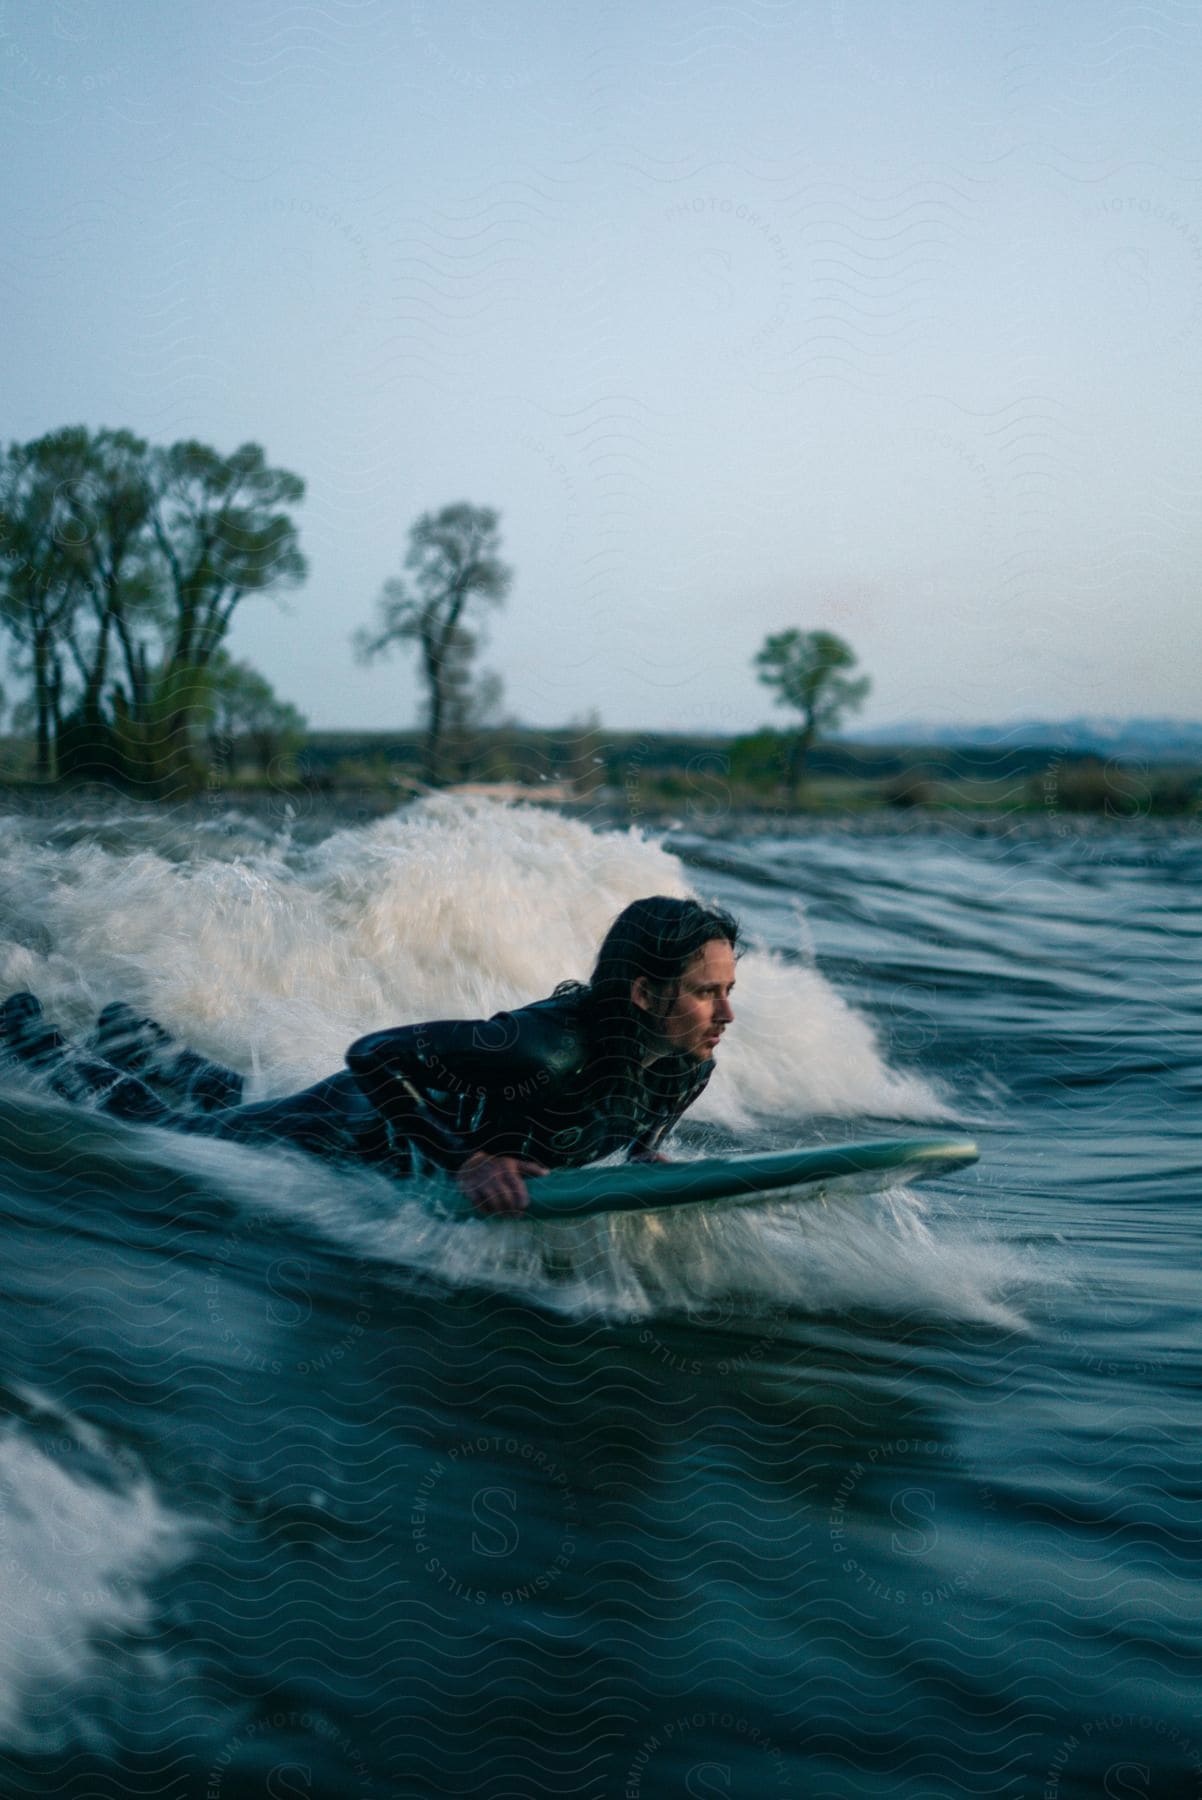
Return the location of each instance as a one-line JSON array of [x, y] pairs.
[[525, 1083]]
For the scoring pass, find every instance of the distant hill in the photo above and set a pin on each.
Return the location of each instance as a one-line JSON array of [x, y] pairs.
[[1153, 740]]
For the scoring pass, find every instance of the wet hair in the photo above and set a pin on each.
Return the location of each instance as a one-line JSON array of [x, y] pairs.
[[655, 939]]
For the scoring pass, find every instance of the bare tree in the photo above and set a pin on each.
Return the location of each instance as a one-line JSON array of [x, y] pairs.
[[455, 570]]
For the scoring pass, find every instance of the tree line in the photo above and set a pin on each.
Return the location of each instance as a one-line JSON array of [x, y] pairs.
[[122, 565], [456, 570]]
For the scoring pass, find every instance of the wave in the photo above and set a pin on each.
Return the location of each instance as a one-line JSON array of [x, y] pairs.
[[84, 1537], [274, 959]]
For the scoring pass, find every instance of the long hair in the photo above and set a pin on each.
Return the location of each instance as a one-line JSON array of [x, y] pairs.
[[656, 938]]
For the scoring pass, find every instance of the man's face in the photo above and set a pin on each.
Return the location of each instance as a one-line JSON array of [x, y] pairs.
[[687, 1017]]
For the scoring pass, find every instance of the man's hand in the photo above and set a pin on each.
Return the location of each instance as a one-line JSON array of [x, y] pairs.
[[495, 1185]]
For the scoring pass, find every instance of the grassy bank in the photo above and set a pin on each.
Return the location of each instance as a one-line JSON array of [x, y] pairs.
[[634, 775]]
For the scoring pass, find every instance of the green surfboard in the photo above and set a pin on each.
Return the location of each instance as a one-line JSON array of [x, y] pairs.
[[783, 1175]]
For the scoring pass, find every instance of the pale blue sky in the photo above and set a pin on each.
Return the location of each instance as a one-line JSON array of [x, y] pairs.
[[880, 317]]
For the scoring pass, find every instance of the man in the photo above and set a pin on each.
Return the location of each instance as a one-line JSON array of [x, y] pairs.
[[595, 1069]]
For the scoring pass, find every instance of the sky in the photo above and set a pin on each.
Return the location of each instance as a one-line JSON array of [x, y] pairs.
[[875, 316]]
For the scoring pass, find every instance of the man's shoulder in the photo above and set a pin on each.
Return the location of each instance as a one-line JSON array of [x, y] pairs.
[[551, 1031]]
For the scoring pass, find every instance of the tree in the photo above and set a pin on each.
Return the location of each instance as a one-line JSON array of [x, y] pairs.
[[105, 491], [455, 571], [218, 525], [78, 578], [40, 582], [120, 570], [471, 707], [243, 708], [807, 671]]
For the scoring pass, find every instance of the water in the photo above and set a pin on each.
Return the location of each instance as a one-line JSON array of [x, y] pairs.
[[307, 1491]]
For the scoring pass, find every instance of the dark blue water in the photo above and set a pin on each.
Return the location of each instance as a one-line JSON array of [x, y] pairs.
[[309, 1492]]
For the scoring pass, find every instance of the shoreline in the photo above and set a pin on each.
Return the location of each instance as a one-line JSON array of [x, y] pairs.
[[693, 819]]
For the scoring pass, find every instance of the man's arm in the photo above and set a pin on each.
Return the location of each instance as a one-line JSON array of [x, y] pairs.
[[645, 1148], [397, 1068], [496, 1185]]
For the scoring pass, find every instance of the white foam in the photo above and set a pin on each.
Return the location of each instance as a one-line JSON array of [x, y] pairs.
[[278, 958], [874, 1251], [870, 1252], [274, 962], [76, 1560]]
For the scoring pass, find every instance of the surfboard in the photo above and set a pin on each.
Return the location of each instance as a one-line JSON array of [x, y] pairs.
[[66, 1148], [783, 1175]]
